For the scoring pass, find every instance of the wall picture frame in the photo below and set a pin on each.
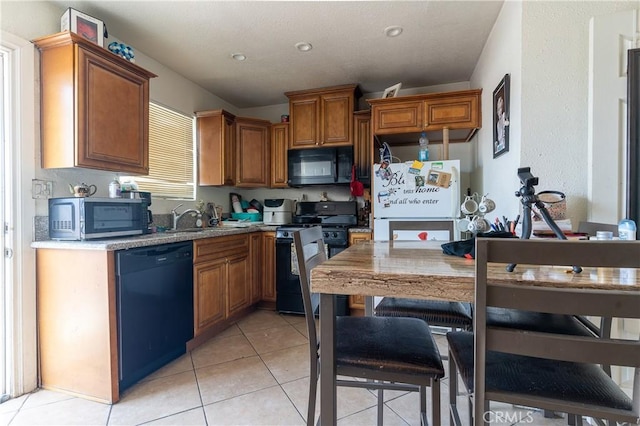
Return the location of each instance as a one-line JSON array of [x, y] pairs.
[[84, 25], [501, 117], [391, 92]]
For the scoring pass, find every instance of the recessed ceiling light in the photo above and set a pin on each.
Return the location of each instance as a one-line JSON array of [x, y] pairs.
[[303, 46], [239, 56], [393, 31]]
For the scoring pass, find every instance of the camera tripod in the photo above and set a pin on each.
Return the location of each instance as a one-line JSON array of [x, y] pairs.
[[528, 198]]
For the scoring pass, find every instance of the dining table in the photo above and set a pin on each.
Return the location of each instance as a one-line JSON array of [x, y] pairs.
[[420, 270]]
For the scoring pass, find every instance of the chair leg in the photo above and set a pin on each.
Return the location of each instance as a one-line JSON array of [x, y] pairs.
[[454, 417], [435, 401], [380, 406], [313, 387]]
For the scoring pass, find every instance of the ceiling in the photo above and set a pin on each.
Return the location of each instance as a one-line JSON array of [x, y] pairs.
[[440, 43]]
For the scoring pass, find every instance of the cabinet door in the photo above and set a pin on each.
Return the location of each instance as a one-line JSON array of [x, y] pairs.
[[255, 258], [457, 112], [358, 237], [113, 116], [238, 283], [279, 145], [398, 117], [356, 301], [252, 153], [336, 118], [305, 126], [209, 293], [362, 145], [229, 154], [269, 267], [216, 147]]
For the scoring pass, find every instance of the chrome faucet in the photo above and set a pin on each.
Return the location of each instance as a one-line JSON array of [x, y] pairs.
[[176, 216]]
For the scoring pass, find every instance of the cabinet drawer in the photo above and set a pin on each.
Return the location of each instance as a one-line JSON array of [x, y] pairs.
[[212, 248]]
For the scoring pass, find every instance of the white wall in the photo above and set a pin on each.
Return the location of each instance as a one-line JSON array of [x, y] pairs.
[[555, 66], [544, 45], [501, 55]]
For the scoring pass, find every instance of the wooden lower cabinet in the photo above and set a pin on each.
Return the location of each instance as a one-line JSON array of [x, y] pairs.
[[238, 283], [356, 302], [221, 283], [269, 265], [209, 294], [255, 254]]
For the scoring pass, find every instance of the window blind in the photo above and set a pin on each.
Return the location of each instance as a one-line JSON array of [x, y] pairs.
[[171, 155]]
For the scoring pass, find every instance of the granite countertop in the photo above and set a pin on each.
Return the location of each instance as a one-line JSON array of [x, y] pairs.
[[149, 239]]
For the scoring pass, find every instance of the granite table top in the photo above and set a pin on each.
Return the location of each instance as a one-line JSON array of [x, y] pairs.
[[420, 270]]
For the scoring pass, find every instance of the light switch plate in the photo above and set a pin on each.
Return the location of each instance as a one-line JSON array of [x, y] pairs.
[[41, 188]]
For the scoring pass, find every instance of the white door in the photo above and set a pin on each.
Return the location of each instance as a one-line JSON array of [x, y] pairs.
[[610, 38], [6, 167]]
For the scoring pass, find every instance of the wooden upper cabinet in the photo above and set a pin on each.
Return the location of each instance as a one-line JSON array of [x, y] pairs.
[[404, 117], [279, 146], [94, 107], [304, 116], [252, 152], [362, 145], [455, 112], [216, 147], [322, 117], [458, 111]]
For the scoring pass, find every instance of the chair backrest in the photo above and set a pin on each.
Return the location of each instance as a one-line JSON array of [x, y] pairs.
[[526, 292], [422, 225], [310, 252]]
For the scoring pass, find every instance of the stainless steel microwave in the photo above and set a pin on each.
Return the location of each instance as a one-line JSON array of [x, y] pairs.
[[87, 218], [320, 166]]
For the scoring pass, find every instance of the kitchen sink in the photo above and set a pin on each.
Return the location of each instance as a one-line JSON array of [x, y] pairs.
[[176, 231]]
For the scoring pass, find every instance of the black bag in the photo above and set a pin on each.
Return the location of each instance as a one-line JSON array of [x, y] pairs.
[[467, 248]]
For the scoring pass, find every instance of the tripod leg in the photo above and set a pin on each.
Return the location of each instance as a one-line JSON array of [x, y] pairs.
[[552, 224], [556, 229], [526, 227]]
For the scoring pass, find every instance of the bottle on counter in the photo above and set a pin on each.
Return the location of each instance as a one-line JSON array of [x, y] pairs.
[[627, 230], [115, 189], [423, 153]]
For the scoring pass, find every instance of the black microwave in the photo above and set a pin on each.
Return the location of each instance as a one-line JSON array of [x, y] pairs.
[[87, 218], [320, 166]]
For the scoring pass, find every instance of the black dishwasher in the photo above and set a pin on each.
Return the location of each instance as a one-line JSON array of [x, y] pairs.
[[154, 291]]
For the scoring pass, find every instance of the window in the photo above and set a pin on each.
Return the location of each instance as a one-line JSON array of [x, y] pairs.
[[171, 155]]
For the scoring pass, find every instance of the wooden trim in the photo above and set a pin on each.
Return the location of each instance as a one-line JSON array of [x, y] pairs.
[[323, 90]]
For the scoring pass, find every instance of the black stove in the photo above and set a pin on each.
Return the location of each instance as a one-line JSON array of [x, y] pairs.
[[335, 218]]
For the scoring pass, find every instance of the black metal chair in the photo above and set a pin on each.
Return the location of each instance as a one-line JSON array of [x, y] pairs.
[[391, 353], [548, 370], [454, 315]]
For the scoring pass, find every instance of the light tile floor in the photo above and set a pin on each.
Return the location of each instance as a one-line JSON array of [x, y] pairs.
[[254, 373]]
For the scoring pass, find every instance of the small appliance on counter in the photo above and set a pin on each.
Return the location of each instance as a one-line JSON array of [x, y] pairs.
[[277, 211], [87, 218]]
